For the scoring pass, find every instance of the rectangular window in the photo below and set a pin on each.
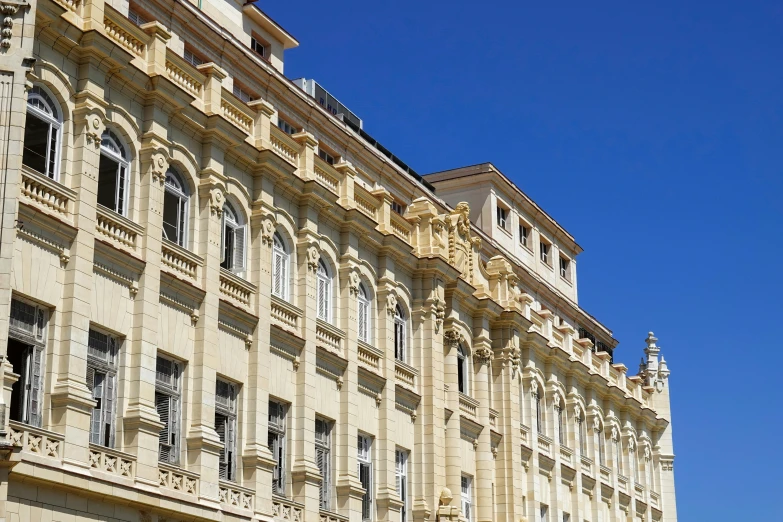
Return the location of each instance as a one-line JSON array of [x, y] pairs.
[[560, 426], [322, 459], [467, 497], [225, 426], [328, 158], [543, 510], [618, 453], [397, 207], [566, 517], [167, 402], [192, 58], [285, 126], [401, 476], [26, 342], [365, 474], [564, 268], [582, 437], [277, 416], [539, 419], [136, 18], [601, 448], [502, 216], [243, 95], [259, 47], [524, 233], [102, 382], [544, 247]]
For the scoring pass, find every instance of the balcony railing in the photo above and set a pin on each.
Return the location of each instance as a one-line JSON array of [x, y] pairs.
[[587, 465], [180, 261], [369, 356], [112, 461], [567, 455], [405, 374], [125, 32], [366, 202], [327, 175], [468, 405], [284, 509], [178, 479], [231, 494], [524, 434], [328, 516], [45, 193], [35, 440], [284, 145], [329, 337], [237, 112], [285, 315], [119, 230], [236, 288], [400, 227], [184, 74], [544, 445]]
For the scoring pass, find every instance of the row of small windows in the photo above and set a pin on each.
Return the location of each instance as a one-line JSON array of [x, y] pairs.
[[544, 248]]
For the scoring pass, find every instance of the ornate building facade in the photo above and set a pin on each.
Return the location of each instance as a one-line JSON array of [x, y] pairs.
[[221, 299]]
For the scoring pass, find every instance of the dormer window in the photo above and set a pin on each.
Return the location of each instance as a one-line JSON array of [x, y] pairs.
[[502, 215], [260, 47]]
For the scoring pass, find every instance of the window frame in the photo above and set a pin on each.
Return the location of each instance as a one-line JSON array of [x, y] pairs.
[[280, 271], [524, 235], [106, 390], [565, 268], [176, 187], [364, 314], [277, 434], [364, 460], [538, 411], [544, 250], [123, 173], [466, 495], [194, 58], [401, 457], [258, 42], [501, 216], [286, 126], [231, 221], [54, 119], [31, 375], [324, 295], [561, 424], [400, 334], [324, 445], [171, 392], [228, 411], [463, 369]]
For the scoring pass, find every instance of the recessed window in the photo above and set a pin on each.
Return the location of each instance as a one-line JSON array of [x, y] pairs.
[[175, 209], [192, 58], [135, 17], [113, 174], [365, 474], [539, 413], [467, 497], [543, 511], [401, 475], [233, 241], [565, 266], [167, 402], [26, 343], [260, 47], [42, 133], [277, 442], [400, 334], [280, 263], [242, 93], [524, 236], [502, 215], [324, 291], [323, 455], [285, 126], [226, 428], [328, 158], [397, 207], [364, 314], [462, 370], [102, 383], [544, 251], [560, 411]]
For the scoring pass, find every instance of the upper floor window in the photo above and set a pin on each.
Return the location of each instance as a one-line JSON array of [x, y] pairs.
[[175, 209], [226, 426], [560, 412], [539, 413], [401, 477], [462, 370], [328, 158], [233, 241], [167, 402], [601, 448], [467, 497], [324, 292], [135, 17], [286, 127], [618, 455], [365, 474], [192, 58], [113, 174], [502, 216], [260, 47], [102, 383], [544, 251], [42, 133], [400, 334], [277, 441], [524, 236], [397, 207], [323, 459], [543, 511], [582, 430], [280, 262], [26, 343], [242, 93], [363, 311], [565, 266]]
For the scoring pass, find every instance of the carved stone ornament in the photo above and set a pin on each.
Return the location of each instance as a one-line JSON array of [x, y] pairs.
[[267, 230], [94, 130], [494, 452], [577, 412], [452, 338], [445, 497], [313, 256], [482, 355], [391, 303], [461, 243], [216, 201], [615, 433], [647, 453], [596, 425], [439, 311], [353, 282], [159, 168], [631, 445], [9, 9]]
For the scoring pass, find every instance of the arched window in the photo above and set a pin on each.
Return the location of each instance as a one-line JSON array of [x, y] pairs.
[[364, 314], [400, 334], [42, 133], [560, 412], [175, 209], [113, 174], [233, 241], [324, 292], [462, 369], [280, 263]]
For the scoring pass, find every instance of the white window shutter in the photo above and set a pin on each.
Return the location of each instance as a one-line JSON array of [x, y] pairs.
[[111, 388], [163, 405], [238, 261], [95, 383], [35, 386], [277, 273], [223, 231]]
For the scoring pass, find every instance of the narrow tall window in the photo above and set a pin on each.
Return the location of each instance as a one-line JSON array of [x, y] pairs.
[[401, 476], [233, 239], [280, 263], [363, 308], [601, 448], [524, 233], [539, 419], [566, 517], [365, 474], [225, 426], [560, 425], [467, 497], [26, 343], [102, 382], [167, 402], [543, 512], [135, 17], [277, 416], [42, 133], [397, 207], [241, 93], [260, 47], [323, 460], [565, 273], [400, 334], [324, 292], [618, 452], [462, 370], [502, 216], [113, 176], [175, 209], [582, 436], [544, 252]]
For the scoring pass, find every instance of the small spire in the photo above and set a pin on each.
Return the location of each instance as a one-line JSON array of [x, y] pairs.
[[642, 368], [663, 370]]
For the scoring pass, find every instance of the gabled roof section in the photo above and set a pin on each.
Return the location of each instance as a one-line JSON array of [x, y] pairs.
[[487, 171], [273, 28]]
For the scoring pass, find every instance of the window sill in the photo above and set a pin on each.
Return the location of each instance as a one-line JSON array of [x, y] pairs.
[[506, 232], [546, 264], [566, 281]]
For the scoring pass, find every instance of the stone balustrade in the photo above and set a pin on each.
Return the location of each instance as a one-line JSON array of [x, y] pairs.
[[285, 315], [46, 194], [35, 441], [118, 230], [112, 461]]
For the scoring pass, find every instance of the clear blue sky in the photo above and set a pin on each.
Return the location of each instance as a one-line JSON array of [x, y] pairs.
[[654, 134]]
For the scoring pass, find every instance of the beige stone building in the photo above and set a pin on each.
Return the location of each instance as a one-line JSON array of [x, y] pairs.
[[221, 299]]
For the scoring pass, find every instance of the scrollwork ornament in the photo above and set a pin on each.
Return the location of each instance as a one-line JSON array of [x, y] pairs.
[[647, 453], [159, 168], [353, 282], [94, 130], [482, 355], [452, 338], [267, 231], [391, 303], [313, 256], [216, 201]]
